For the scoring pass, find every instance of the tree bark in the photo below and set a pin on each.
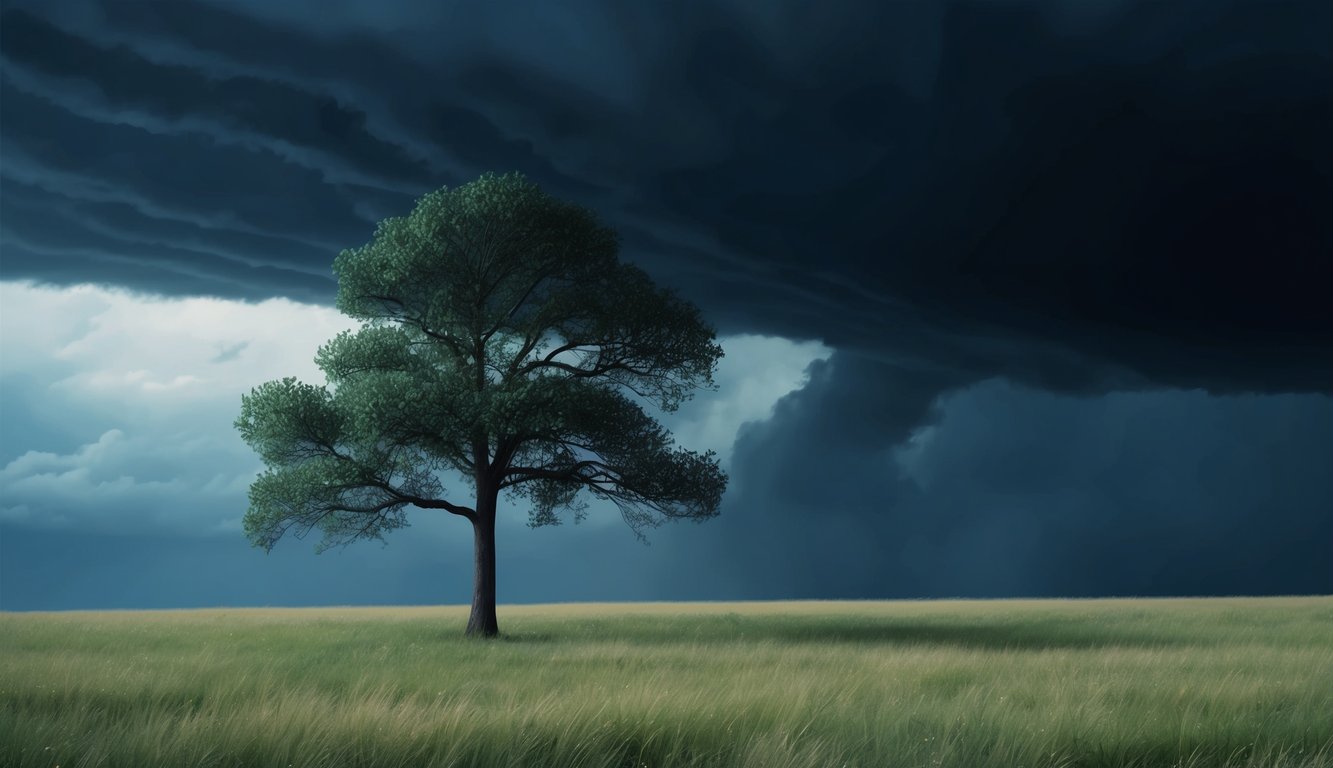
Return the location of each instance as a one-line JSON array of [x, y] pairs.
[[482, 623]]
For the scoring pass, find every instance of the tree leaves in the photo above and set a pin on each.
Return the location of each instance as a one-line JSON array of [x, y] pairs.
[[503, 339], [347, 484]]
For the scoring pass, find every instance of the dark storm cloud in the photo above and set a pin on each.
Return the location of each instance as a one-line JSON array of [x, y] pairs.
[[70, 240], [98, 82], [1000, 490], [1134, 190], [1119, 195], [1155, 193]]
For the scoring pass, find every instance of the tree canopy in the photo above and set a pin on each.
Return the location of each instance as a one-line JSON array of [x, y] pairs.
[[501, 338]]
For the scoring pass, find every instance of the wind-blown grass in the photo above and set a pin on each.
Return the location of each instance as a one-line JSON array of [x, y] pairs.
[[1227, 682]]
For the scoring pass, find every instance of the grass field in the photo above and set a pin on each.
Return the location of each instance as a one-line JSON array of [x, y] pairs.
[[1226, 682]]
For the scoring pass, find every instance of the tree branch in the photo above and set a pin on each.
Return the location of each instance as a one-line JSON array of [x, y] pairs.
[[515, 475]]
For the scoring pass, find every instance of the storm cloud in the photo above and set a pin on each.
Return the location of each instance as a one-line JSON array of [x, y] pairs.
[[999, 490]]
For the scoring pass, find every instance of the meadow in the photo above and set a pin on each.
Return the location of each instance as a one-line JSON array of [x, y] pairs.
[[1216, 682]]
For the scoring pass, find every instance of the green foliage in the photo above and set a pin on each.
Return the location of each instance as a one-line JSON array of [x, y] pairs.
[[349, 483], [501, 339], [1230, 683]]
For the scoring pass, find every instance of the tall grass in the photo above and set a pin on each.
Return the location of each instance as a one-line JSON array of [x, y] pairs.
[[1230, 682]]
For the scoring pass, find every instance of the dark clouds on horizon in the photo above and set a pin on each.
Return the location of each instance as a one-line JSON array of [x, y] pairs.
[[1012, 493], [1093, 201]]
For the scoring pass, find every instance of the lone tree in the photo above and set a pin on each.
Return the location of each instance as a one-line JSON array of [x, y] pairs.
[[500, 338]]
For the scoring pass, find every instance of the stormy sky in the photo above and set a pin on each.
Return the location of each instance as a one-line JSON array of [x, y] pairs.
[[1018, 297]]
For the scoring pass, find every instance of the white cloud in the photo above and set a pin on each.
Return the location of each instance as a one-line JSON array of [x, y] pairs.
[[156, 356], [755, 373], [151, 387], [167, 376], [169, 483]]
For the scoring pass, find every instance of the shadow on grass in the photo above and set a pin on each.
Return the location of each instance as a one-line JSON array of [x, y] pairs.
[[988, 635]]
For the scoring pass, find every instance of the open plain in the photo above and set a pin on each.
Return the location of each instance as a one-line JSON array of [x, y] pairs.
[[1161, 682]]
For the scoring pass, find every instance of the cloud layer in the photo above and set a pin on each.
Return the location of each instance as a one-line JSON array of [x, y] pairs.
[[128, 401], [1118, 197], [1003, 490]]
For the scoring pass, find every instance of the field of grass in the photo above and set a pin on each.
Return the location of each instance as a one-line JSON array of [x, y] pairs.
[[1226, 682]]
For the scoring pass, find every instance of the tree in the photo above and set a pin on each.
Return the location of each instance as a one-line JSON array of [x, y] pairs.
[[501, 338]]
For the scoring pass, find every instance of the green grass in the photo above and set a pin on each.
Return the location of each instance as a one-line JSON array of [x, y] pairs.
[[1229, 682]]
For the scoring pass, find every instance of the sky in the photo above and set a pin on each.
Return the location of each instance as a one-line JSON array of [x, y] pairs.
[[1018, 297]]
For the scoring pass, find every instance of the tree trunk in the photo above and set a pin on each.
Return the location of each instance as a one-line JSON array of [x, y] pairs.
[[481, 623]]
